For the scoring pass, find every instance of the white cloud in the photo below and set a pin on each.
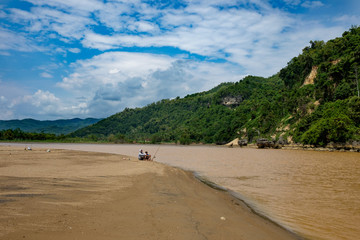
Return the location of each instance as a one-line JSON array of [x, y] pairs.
[[212, 29], [10, 40], [206, 30], [46, 75], [4, 53], [348, 19], [114, 67], [42, 105], [257, 40], [79, 6], [293, 2], [11, 91], [43, 99], [74, 50], [3, 99], [312, 4], [144, 26], [6, 114], [114, 80], [117, 15], [46, 20]]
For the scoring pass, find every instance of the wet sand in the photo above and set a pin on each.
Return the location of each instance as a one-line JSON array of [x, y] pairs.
[[66, 194]]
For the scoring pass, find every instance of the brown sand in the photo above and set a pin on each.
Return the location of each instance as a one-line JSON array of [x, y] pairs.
[[66, 194]]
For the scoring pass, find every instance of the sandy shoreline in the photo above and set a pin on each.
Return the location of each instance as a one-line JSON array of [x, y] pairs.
[[85, 195]]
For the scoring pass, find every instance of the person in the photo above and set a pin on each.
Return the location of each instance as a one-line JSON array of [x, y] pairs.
[[147, 156], [141, 155]]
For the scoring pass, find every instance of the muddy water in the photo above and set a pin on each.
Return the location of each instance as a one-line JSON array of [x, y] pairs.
[[316, 194]]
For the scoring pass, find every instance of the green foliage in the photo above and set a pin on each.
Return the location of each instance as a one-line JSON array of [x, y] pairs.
[[55, 127], [333, 122], [335, 59], [326, 130], [343, 91], [18, 134]]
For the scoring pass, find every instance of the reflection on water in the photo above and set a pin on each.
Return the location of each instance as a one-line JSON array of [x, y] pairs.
[[316, 194]]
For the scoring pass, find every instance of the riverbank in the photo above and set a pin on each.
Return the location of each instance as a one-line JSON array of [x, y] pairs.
[[354, 147], [333, 147], [62, 194]]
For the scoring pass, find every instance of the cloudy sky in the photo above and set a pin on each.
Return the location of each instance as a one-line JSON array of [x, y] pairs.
[[92, 58]]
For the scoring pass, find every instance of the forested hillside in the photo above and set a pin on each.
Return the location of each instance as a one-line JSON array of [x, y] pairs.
[[64, 126], [313, 100]]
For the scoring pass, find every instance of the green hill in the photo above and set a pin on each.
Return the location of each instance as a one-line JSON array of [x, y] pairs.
[[313, 100], [63, 126]]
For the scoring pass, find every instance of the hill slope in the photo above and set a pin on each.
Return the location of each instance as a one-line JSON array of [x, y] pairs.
[[63, 126], [313, 100]]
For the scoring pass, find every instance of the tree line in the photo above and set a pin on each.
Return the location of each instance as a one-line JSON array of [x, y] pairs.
[[18, 134]]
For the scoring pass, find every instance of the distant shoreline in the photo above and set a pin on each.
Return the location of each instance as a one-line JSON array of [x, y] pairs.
[[335, 148]]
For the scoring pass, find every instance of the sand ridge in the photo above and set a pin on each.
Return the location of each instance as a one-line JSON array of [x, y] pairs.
[[66, 194]]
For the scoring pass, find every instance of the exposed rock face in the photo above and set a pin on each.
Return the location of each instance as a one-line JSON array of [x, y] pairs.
[[242, 142], [353, 146], [237, 142], [231, 101], [264, 143], [335, 61], [310, 79]]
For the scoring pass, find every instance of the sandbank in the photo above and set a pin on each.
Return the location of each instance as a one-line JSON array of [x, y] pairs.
[[65, 194]]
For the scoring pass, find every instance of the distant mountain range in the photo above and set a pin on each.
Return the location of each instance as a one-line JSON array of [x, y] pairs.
[[62, 126]]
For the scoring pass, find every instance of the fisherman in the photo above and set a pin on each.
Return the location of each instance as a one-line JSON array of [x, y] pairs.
[[142, 155], [147, 156]]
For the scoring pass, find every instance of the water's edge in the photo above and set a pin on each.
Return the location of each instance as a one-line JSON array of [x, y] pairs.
[[241, 198]]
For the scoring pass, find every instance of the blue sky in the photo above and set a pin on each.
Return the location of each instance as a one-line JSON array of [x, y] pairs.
[[92, 58]]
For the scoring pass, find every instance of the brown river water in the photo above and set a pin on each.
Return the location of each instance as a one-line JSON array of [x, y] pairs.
[[315, 194]]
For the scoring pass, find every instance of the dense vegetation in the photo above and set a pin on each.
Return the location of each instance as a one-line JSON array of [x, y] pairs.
[[18, 135], [329, 109], [313, 100], [57, 127]]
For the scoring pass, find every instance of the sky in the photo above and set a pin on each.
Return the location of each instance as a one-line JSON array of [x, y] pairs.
[[62, 59]]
